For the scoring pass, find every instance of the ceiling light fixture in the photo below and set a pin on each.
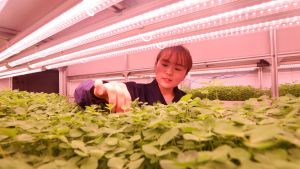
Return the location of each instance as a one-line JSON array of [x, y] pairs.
[[23, 72], [203, 23], [171, 11], [265, 26], [13, 71], [289, 66], [2, 68], [223, 71], [76, 14]]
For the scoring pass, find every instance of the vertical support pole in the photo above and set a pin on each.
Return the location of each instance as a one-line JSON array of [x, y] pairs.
[[260, 76], [125, 74], [274, 65], [10, 83], [63, 81]]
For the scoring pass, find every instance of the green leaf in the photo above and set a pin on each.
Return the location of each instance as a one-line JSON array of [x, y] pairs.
[[168, 164], [168, 136], [111, 141], [220, 154], [166, 152], [190, 137], [50, 165], [135, 164], [75, 133], [20, 111], [263, 133], [90, 163], [25, 138], [97, 153], [3, 137], [11, 132], [135, 156], [228, 129], [187, 156], [150, 149], [81, 153], [135, 138], [204, 156], [116, 163], [186, 97], [78, 144], [240, 154], [9, 163], [241, 120]]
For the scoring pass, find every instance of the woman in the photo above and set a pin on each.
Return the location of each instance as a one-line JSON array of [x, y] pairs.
[[171, 66]]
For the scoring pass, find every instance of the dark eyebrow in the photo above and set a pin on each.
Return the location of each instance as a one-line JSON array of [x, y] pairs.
[[166, 60]]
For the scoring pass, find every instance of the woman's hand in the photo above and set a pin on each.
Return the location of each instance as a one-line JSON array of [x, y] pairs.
[[115, 93]]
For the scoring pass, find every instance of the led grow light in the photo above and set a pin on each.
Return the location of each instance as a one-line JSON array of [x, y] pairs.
[[276, 24], [79, 12], [13, 71], [21, 73], [223, 71], [252, 12], [289, 66], [2, 68], [155, 16]]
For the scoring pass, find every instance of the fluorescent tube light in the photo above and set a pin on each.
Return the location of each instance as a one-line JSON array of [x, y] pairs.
[[289, 66], [223, 71], [79, 12], [276, 24], [13, 71], [21, 73], [2, 68], [251, 12], [171, 11]]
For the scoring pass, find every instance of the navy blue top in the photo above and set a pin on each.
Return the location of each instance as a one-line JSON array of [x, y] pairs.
[[147, 93]]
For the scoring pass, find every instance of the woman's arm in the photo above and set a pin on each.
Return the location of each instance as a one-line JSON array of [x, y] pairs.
[[84, 94], [96, 92]]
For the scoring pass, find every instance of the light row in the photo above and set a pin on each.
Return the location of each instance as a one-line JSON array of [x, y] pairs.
[[190, 39], [289, 66], [252, 12], [287, 22], [76, 14], [23, 71], [223, 71], [20, 72], [155, 16]]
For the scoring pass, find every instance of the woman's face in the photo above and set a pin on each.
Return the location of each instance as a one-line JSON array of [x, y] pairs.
[[168, 72]]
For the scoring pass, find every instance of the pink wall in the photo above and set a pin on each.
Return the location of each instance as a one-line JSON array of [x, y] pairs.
[[230, 47], [246, 78], [288, 39], [4, 84], [224, 48], [99, 66]]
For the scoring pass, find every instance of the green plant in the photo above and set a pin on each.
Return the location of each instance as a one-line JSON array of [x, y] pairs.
[[293, 89], [231, 93], [46, 132]]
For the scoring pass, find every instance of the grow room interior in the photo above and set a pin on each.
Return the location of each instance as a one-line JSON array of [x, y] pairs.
[[53, 46]]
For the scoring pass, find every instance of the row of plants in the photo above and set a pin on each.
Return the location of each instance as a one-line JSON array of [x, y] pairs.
[[45, 131], [241, 93]]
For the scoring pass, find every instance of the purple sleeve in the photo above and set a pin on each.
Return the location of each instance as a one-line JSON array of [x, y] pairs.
[[84, 96]]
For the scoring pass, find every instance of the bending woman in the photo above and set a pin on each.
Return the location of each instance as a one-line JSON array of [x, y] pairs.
[[171, 66]]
